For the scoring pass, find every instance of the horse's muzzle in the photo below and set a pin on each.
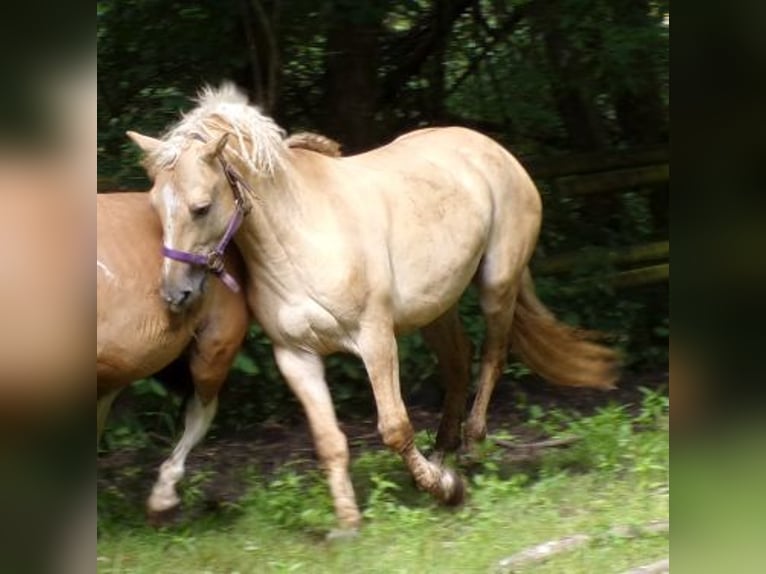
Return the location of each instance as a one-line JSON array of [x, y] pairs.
[[177, 300], [180, 293]]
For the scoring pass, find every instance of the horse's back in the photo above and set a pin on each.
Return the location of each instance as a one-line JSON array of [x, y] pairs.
[[449, 198]]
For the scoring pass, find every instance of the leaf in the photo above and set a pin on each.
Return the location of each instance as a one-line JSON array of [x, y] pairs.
[[245, 364]]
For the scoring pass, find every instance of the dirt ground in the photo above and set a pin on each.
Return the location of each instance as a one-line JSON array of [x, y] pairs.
[[268, 445]]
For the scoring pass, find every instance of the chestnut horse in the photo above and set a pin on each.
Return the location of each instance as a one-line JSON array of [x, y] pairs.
[[344, 254], [137, 337]]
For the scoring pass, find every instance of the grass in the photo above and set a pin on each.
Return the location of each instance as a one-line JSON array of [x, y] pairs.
[[617, 474]]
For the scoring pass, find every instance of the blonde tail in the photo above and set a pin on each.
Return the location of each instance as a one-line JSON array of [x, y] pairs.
[[559, 353]]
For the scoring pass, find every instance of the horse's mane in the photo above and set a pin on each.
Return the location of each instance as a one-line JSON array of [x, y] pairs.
[[255, 139], [314, 142]]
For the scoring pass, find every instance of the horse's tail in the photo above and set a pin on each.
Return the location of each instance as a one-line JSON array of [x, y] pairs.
[[559, 353]]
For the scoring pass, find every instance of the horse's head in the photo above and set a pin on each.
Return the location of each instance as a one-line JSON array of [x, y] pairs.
[[193, 198], [198, 193]]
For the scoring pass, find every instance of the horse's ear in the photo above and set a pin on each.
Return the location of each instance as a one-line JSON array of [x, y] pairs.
[[212, 149], [146, 143]]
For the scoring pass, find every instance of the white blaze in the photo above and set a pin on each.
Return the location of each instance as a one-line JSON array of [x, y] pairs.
[[102, 266], [170, 202]]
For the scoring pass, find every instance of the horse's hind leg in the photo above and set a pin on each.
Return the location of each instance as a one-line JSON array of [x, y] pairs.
[[497, 297], [452, 347], [304, 373]]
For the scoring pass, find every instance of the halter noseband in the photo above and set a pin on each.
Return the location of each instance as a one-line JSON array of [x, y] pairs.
[[213, 260]]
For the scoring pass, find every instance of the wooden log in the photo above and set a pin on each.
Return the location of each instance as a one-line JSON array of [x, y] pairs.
[[610, 181], [635, 254], [541, 552], [551, 167], [659, 567], [643, 276]]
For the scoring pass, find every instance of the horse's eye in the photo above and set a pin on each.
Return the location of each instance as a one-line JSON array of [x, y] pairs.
[[200, 210]]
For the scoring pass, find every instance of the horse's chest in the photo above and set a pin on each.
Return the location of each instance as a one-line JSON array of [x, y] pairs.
[[309, 325]]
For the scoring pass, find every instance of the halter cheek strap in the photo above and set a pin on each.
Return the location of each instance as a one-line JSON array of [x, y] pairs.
[[213, 260]]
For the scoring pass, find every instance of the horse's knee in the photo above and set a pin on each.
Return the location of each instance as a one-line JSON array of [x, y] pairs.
[[397, 436], [332, 450]]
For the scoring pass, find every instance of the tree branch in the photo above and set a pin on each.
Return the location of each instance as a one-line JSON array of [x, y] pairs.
[[496, 36], [419, 43]]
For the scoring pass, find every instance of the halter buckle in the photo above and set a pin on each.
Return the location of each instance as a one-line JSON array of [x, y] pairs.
[[214, 262]]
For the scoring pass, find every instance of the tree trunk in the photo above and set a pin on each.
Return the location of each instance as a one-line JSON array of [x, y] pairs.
[[351, 80], [638, 103], [261, 36], [576, 105]]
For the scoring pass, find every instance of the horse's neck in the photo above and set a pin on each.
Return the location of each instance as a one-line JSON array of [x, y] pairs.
[[275, 213], [287, 216]]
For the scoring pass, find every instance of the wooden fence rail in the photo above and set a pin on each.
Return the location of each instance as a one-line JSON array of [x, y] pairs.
[[609, 172]]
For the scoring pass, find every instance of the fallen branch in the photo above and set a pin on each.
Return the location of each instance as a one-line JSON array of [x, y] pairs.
[[543, 551], [550, 443], [659, 567]]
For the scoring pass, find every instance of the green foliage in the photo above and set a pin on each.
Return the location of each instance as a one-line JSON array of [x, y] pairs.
[[612, 440], [293, 501], [157, 413]]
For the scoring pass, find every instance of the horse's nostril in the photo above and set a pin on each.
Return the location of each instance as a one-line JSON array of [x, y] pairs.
[[176, 299], [184, 296]]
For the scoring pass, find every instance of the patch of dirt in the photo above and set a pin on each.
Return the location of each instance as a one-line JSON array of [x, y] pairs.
[[267, 446]]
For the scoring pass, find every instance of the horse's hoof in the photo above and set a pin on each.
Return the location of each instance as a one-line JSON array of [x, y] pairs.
[[342, 534], [453, 488]]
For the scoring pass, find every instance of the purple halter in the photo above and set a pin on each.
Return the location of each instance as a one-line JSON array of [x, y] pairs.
[[213, 260]]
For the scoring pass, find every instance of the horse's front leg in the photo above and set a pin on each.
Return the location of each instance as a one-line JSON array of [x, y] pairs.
[[199, 416], [378, 350], [304, 373]]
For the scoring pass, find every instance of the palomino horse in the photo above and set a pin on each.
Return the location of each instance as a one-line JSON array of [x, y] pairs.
[[344, 254], [136, 335]]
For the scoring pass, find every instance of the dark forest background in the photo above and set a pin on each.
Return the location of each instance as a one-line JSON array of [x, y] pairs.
[[577, 89]]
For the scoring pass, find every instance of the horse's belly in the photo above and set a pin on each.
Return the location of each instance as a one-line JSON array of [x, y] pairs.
[[434, 264], [425, 294]]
